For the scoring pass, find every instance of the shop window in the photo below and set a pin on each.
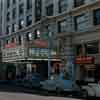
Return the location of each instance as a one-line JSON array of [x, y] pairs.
[[78, 2], [97, 17], [87, 48], [92, 48], [49, 10], [90, 74]]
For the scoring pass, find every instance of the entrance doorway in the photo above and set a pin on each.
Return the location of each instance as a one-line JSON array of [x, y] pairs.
[[10, 72]]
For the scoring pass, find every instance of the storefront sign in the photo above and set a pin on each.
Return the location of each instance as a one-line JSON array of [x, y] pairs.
[[40, 52], [41, 43], [12, 54], [85, 60], [10, 45]]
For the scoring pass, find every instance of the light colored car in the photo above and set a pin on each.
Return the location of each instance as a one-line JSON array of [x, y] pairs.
[[92, 89]]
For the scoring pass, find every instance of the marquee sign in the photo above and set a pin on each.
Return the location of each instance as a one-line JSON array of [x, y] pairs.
[[41, 43], [10, 45], [40, 52], [85, 60]]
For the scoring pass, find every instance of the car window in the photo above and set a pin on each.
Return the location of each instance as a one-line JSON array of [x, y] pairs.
[[99, 82]]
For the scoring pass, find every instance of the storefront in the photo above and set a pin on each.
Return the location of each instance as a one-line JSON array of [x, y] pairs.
[[86, 60], [39, 60], [7, 71], [86, 67]]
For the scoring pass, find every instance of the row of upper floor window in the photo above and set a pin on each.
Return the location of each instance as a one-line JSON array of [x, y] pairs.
[[61, 3], [80, 22], [17, 26], [28, 3], [29, 36], [13, 14], [62, 7]]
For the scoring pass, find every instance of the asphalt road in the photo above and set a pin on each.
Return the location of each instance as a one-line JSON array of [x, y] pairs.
[[25, 96], [12, 92]]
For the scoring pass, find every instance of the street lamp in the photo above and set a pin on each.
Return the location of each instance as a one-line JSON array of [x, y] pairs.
[[49, 52]]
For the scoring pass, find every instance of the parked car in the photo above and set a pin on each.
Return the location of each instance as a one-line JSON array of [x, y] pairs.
[[33, 81], [61, 85], [92, 89]]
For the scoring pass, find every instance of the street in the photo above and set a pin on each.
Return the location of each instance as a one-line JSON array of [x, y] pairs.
[[11, 92], [25, 96]]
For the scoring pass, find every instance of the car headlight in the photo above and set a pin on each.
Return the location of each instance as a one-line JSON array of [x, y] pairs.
[[52, 77]]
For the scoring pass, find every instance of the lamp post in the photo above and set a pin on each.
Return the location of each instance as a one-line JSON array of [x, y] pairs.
[[49, 52]]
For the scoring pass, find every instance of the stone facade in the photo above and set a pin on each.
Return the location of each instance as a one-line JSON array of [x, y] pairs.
[[64, 41]]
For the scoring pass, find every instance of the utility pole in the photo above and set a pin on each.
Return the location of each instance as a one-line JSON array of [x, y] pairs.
[[49, 53]]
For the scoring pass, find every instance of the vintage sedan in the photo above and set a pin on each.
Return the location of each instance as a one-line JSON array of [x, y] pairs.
[[92, 90]]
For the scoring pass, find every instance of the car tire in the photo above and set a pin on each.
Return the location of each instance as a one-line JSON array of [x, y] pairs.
[[58, 91], [85, 94]]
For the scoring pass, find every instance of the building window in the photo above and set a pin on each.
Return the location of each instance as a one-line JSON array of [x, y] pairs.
[[62, 5], [87, 48], [29, 36], [29, 4], [19, 40], [62, 26], [13, 40], [21, 23], [14, 1], [78, 2], [7, 41], [97, 17], [14, 13], [21, 9], [8, 29], [92, 48], [29, 20], [8, 16], [38, 10], [79, 49], [36, 34], [8, 3], [80, 23], [14, 27], [49, 10]]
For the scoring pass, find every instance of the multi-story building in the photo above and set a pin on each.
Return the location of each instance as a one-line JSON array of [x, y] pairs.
[[74, 25], [25, 28]]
